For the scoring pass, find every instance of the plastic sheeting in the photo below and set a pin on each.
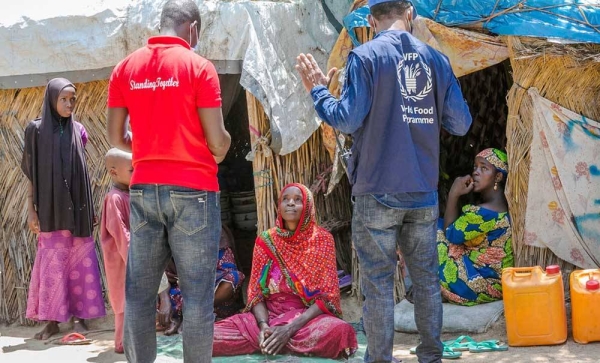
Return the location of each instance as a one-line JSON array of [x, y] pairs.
[[563, 209], [339, 9], [572, 20], [80, 36]]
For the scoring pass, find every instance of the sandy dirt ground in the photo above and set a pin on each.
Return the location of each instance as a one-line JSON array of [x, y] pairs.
[[17, 346]]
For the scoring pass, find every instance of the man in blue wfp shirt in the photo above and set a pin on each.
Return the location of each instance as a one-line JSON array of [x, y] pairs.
[[397, 94]]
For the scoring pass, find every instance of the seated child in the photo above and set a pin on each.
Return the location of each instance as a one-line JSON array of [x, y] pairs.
[[228, 281]]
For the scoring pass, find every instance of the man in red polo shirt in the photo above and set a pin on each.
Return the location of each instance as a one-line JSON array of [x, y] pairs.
[[173, 99]]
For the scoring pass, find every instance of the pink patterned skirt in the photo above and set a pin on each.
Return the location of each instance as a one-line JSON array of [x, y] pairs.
[[65, 280], [324, 336]]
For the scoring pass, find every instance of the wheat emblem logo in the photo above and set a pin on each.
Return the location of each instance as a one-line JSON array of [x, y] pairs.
[[411, 72]]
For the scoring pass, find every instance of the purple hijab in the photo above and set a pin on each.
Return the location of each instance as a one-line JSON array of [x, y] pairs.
[[54, 162]]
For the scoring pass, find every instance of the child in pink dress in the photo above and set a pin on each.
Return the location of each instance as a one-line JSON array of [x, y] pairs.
[[114, 235]]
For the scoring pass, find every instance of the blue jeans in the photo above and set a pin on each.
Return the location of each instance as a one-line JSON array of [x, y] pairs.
[[184, 223], [377, 230]]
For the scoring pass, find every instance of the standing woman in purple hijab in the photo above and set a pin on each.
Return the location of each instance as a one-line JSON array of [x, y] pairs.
[[65, 280]]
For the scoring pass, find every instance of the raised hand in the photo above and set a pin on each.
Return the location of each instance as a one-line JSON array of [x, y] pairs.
[[311, 74]]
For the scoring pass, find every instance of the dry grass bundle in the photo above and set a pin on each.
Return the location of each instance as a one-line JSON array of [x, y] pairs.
[[17, 245], [309, 165], [534, 47], [568, 75]]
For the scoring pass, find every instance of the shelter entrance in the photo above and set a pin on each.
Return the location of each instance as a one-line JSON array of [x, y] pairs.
[[236, 180], [485, 92]]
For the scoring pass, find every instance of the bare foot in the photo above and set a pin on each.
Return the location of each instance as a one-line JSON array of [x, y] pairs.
[[49, 330], [79, 326], [175, 327]]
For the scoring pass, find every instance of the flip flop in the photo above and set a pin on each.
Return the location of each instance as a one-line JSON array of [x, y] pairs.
[[74, 339], [448, 353], [488, 346], [461, 344]]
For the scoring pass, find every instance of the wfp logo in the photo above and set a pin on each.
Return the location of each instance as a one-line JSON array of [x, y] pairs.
[[414, 77]]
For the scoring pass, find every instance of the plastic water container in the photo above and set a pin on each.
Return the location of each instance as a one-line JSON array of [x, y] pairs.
[[534, 306], [585, 305]]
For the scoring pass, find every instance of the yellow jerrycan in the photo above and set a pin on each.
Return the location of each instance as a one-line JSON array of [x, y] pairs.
[[534, 306], [585, 305]]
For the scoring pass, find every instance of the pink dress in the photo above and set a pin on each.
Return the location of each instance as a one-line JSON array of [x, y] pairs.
[[114, 238], [65, 280]]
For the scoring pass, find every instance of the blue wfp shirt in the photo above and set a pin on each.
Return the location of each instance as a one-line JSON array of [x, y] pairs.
[[397, 95]]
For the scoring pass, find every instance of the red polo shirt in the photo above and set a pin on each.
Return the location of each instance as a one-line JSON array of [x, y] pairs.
[[162, 85]]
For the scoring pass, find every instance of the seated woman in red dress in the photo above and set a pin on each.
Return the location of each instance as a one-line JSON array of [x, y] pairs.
[[293, 294]]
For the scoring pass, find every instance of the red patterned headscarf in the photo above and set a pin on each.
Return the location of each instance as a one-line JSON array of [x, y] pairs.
[[305, 256]]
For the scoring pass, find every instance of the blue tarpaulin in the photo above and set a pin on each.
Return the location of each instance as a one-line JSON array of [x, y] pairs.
[[571, 20]]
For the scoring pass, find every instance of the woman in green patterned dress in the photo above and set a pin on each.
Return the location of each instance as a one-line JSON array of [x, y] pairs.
[[475, 245]]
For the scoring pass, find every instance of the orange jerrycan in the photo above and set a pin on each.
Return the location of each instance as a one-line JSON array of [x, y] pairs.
[[534, 306], [585, 305]]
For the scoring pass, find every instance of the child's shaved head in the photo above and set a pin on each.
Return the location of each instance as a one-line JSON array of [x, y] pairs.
[[115, 156], [118, 165]]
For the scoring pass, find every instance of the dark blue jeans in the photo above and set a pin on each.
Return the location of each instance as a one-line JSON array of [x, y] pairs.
[[377, 230], [186, 224]]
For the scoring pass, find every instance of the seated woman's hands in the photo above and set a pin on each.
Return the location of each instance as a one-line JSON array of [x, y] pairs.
[[461, 186], [273, 339], [263, 335]]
